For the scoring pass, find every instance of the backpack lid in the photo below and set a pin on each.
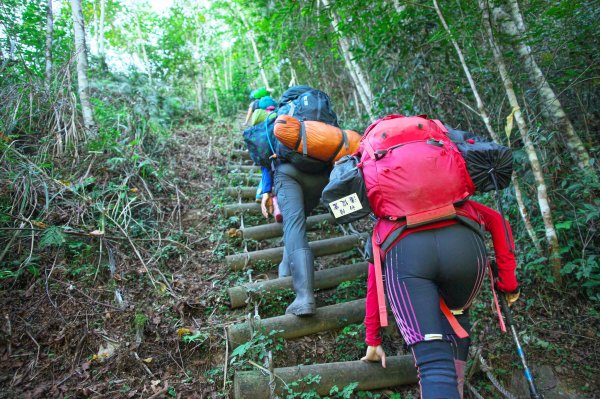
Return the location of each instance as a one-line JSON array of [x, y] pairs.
[[293, 93]]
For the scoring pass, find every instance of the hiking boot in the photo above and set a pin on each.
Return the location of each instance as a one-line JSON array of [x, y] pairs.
[[303, 273]]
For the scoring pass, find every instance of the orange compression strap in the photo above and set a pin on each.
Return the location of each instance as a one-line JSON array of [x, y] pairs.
[[458, 330], [383, 319]]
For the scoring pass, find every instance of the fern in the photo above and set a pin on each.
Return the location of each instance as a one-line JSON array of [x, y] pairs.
[[52, 237]]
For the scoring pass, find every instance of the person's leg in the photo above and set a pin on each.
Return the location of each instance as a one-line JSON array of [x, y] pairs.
[[411, 267], [296, 249], [461, 275]]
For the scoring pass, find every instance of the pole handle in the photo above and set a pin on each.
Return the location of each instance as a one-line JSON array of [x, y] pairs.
[[506, 309]]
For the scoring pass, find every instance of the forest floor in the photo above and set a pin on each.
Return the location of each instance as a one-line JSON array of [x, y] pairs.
[[64, 337]]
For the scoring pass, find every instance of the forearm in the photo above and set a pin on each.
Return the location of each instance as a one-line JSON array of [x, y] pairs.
[[372, 324]]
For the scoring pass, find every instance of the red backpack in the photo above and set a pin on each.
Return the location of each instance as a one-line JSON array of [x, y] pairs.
[[413, 170]]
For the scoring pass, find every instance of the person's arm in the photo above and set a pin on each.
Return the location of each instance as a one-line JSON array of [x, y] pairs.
[[505, 258], [266, 204], [249, 114], [372, 324], [266, 180], [375, 352]]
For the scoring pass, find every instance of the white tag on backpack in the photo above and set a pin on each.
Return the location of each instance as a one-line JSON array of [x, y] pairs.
[[345, 205]]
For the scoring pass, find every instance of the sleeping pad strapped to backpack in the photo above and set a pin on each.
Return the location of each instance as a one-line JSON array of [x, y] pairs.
[[316, 139], [486, 161]]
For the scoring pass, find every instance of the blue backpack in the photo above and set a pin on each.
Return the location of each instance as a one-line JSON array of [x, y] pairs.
[[260, 141], [311, 105]]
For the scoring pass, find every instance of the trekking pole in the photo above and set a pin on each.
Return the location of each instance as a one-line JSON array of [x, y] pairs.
[[533, 392]]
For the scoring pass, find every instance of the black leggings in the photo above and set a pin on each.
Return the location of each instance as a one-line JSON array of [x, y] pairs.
[[449, 262]]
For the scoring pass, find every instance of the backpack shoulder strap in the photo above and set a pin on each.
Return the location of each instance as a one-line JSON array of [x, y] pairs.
[[383, 319], [440, 125]]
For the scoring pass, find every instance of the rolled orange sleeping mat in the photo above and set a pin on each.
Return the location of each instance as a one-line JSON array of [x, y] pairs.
[[316, 139]]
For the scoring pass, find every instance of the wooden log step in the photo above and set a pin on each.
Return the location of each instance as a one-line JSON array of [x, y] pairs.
[[327, 278], [324, 247], [240, 154], [272, 230], [245, 192], [245, 168], [251, 179], [290, 326], [400, 370], [237, 209]]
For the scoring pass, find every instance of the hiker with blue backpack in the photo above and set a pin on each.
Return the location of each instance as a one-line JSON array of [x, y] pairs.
[[416, 177], [297, 178]]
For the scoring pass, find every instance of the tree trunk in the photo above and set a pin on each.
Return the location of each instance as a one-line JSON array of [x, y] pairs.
[[215, 94], [143, 49], [524, 213], [551, 106], [486, 121], [49, 34], [199, 93], [354, 69], [536, 168], [399, 7], [263, 75], [482, 112], [225, 71], [82, 66], [356, 105], [101, 29]]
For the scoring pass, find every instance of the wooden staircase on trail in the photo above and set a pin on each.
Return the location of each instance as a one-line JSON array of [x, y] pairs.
[[337, 251]]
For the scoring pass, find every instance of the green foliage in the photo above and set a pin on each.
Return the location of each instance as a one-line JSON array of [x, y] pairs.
[[196, 338], [256, 348], [52, 237]]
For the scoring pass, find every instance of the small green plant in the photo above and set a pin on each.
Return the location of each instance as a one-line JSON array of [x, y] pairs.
[[195, 338], [256, 348]]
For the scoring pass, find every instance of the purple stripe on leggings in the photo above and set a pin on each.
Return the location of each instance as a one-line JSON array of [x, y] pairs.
[[401, 305], [481, 265]]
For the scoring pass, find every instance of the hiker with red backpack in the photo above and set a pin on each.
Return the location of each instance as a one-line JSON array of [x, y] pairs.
[[431, 269], [428, 237]]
